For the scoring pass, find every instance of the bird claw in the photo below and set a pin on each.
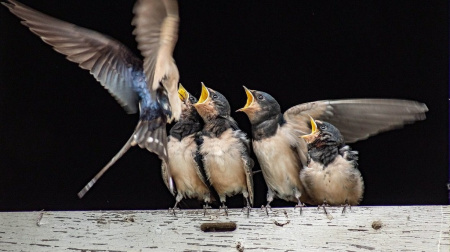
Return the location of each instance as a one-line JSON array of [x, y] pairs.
[[224, 208], [248, 208], [173, 210], [205, 207], [266, 207], [323, 206], [299, 205], [345, 207]]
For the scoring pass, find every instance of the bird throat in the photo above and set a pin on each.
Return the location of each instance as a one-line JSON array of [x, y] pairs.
[[267, 128], [185, 128], [215, 127], [324, 154]]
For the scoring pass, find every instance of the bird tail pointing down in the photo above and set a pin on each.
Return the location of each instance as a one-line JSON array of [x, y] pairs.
[[149, 134]]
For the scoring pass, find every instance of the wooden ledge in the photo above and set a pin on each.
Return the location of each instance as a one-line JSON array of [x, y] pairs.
[[380, 228]]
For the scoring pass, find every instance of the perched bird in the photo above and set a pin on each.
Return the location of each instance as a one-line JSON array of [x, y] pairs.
[[331, 175], [149, 86], [185, 161], [282, 154], [225, 149]]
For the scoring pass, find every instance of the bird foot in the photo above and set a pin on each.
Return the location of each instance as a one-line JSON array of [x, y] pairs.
[[205, 207], [224, 208], [266, 207], [299, 205], [323, 206], [173, 210], [248, 208], [345, 207]]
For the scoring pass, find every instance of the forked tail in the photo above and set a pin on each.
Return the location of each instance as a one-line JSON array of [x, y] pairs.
[[148, 134]]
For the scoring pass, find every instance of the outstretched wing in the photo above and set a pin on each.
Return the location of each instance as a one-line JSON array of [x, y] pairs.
[[357, 119], [109, 61], [156, 33]]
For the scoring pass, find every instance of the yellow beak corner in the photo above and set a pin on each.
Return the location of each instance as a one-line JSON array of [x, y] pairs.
[[204, 95], [182, 93], [310, 137], [250, 99]]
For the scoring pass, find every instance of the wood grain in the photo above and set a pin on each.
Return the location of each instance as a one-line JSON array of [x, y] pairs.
[[380, 228]]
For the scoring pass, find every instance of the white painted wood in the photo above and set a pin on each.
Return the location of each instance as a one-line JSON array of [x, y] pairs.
[[407, 228]]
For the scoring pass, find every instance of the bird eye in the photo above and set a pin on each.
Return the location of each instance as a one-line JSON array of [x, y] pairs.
[[214, 96], [191, 98], [323, 127], [260, 97]]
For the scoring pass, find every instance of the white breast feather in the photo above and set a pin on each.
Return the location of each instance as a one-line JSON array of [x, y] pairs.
[[223, 163], [279, 163], [338, 182]]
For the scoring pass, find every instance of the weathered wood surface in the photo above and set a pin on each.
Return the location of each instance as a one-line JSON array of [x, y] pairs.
[[393, 228]]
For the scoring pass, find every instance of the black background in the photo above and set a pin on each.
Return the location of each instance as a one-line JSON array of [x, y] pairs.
[[59, 127]]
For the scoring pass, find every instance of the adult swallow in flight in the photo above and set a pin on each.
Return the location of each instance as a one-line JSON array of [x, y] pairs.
[[149, 86], [185, 161], [225, 149], [281, 153], [331, 175]]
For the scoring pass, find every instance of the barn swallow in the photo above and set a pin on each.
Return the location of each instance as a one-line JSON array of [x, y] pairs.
[[185, 162], [281, 154], [225, 149], [149, 85], [331, 175]]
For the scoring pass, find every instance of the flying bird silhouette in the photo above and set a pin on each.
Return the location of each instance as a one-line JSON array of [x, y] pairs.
[[148, 85]]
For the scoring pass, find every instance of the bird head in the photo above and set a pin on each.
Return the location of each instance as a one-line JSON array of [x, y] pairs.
[[260, 106], [212, 104], [187, 104], [323, 133]]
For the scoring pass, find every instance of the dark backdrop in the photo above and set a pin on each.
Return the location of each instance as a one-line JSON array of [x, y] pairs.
[[58, 126]]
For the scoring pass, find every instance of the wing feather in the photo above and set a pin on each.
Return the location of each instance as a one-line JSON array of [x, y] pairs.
[[357, 119], [109, 61], [156, 32]]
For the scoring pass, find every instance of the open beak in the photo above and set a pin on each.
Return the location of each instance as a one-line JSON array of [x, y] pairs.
[[182, 93], [314, 132], [250, 100], [204, 96]]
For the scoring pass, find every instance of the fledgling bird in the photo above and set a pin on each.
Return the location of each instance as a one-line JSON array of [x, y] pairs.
[[185, 162], [225, 149], [281, 153], [148, 85], [331, 176]]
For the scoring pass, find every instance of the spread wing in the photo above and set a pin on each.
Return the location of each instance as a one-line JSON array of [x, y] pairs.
[[357, 119], [156, 32], [109, 61]]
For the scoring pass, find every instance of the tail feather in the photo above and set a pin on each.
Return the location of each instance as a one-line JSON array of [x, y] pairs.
[[154, 139], [91, 183], [150, 135]]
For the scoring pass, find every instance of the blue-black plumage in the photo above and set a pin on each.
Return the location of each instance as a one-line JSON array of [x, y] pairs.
[[148, 86]]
